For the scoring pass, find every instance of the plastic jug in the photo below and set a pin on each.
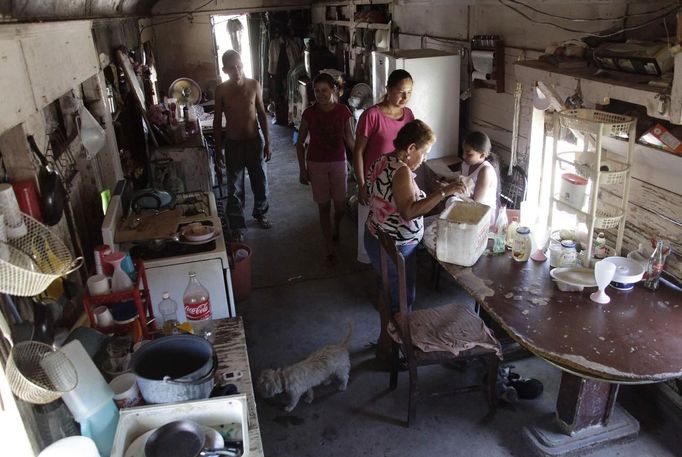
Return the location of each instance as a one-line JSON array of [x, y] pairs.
[[101, 427], [91, 402]]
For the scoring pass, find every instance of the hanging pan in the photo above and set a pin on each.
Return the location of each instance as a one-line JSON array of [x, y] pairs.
[[52, 191]]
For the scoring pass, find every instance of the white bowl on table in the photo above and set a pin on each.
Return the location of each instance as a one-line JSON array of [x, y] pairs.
[[573, 279], [628, 272]]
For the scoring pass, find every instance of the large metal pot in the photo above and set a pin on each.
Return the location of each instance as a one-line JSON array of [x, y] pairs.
[[168, 390], [178, 357], [175, 368]]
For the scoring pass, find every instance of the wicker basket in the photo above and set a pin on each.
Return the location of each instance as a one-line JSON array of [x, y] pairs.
[[590, 120], [29, 263], [608, 216], [617, 171]]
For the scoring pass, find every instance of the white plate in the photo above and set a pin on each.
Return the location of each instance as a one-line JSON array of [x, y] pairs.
[[628, 271], [198, 232], [583, 277], [136, 448], [217, 234]]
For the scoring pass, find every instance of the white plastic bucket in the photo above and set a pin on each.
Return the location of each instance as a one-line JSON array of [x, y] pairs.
[[573, 188], [463, 233]]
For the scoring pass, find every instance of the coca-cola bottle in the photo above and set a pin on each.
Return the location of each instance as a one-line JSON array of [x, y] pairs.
[[655, 267], [198, 307]]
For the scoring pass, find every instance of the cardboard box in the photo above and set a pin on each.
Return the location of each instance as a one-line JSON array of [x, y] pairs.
[[663, 138]]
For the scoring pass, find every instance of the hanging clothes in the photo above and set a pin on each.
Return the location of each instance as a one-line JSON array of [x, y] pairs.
[[235, 28], [283, 46]]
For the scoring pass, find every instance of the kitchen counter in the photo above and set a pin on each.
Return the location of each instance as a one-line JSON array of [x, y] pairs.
[[183, 167], [230, 347]]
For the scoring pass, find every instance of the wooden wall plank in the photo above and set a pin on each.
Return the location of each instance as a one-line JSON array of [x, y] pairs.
[[652, 213], [15, 154], [58, 58], [17, 101]]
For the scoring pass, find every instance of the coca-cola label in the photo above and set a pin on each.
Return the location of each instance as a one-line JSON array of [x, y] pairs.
[[198, 311]]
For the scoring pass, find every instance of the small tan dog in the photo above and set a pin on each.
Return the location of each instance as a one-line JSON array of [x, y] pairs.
[[321, 367]]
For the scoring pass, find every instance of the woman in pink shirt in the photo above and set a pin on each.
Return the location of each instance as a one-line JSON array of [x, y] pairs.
[[323, 164], [377, 128]]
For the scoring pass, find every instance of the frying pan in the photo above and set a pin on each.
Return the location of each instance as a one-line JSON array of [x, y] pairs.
[[183, 438], [52, 191]]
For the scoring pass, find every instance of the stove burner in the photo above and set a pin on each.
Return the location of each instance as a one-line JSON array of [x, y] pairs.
[[192, 211], [190, 201], [193, 203]]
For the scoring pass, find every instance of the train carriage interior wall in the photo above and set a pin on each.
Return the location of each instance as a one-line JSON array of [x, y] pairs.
[[341, 228]]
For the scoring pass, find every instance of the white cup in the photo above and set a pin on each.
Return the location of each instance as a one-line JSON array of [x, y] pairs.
[[126, 392], [103, 316], [98, 285], [9, 206]]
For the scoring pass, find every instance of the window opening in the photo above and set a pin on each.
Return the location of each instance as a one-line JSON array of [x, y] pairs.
[[232, 32]]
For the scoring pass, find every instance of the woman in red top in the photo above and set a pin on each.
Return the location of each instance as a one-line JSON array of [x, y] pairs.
[[323, 164]]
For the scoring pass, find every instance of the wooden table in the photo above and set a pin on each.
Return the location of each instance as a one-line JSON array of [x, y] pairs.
[[230, 347], [634, 339]]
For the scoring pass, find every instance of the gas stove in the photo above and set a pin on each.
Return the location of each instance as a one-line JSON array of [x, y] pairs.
[[195, 204], [168, 267]]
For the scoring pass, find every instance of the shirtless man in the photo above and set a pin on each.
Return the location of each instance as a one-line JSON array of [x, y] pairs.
[[241, 101]]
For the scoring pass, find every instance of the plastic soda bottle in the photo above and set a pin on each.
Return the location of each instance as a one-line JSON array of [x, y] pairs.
[[655, 267], [169, 313], [511, 232], [600, 249], [500, 231], [198, 307]]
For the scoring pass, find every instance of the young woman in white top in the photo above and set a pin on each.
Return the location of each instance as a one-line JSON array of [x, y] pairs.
[[477, 166]]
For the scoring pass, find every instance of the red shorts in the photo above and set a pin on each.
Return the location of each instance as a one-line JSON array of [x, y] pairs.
[[328, 181]]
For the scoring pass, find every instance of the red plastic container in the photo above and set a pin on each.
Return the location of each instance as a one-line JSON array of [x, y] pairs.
[[28, 199]]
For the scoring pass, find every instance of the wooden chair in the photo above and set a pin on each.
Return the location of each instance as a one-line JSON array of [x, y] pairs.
[[407, 320], [514, 187]]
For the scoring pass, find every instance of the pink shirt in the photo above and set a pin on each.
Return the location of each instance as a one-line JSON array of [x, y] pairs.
[[380, 131]]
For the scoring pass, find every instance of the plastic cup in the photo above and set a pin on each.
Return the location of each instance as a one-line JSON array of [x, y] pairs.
[[126, 392], [9, 206], [103, 316], [98, 285]]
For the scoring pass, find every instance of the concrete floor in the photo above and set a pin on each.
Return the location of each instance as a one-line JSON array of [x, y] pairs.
[[299, 303]]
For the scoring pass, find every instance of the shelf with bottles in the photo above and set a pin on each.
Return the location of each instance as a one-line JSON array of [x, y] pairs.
[[138, 294], [597, 170]]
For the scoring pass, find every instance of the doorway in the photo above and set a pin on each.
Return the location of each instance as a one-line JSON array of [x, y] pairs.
[[232, 32]]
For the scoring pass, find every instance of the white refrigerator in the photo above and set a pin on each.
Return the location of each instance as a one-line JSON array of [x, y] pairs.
[[435, 94]]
